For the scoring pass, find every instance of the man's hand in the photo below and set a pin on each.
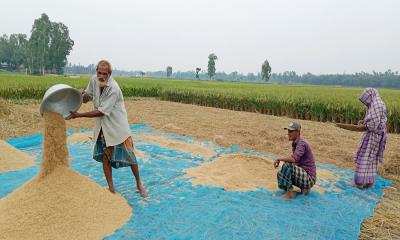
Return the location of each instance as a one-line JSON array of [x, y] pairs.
[[72, 116], [86, 97], [276, 163]]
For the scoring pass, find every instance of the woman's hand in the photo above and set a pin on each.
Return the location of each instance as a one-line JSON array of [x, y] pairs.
[[361, 127], [361, 122]]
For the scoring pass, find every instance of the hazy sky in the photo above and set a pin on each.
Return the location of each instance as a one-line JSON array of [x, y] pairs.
[[318, 36]]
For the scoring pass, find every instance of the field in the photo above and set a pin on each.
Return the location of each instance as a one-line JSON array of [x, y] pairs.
[[317, 103], [257, 132]]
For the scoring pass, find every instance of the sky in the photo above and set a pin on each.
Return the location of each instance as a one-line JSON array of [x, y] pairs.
[[317, 36]]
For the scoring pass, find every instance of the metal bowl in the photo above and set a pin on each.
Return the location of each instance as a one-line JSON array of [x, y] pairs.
[[62, 99]]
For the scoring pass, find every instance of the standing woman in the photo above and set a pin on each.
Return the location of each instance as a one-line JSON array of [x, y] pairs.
[[370, 150]]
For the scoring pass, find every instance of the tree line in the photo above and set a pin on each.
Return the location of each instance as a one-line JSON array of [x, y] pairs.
[[387, 79], [45, 51]]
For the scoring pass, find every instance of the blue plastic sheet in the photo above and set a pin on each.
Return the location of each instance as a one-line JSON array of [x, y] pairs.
[[177, 210]]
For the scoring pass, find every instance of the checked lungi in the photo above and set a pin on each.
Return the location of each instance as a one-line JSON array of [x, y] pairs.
[[291, 174]]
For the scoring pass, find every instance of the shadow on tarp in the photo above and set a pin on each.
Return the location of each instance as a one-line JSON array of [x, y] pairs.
[[177, 210]]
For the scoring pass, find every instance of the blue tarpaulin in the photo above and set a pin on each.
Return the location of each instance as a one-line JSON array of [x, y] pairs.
[[177, 210]]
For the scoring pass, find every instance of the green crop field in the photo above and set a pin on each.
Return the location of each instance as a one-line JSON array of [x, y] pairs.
[[319, 103]]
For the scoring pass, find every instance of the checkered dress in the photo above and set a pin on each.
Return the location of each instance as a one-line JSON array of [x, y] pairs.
[[291, 174], [372, 146], [121, 155]]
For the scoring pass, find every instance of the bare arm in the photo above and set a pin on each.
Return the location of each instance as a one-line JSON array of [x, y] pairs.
[[87, 94], [284, 159], [287, 159], [91, 114], [351, 127]]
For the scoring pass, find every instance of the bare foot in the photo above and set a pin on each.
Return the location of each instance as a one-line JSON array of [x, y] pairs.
[[112, 190], [142, 191], [361, 186], [305, 191], [365, 186], [369, 185], [289, 195]]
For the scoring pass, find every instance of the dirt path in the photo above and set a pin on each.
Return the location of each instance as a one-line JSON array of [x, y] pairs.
[[258, 132]]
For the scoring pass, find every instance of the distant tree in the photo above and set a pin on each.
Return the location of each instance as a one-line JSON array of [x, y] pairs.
[[197, 73], [251, 77], [48, 46], [19, 43], [38, 46], [265, 71], [169, 71], [80, 69], [233, 75], [12, 51], [211, 64], [60, 47]]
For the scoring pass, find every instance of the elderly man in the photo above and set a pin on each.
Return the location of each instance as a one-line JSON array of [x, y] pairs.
[[299, 168], [114, 145]]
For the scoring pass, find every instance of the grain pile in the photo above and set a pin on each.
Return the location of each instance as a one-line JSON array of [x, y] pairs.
[[241, 172], [13, 159], [60, 203]]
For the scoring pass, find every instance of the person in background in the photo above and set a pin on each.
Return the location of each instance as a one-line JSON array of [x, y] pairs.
[[299, 168], [372, 146]]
